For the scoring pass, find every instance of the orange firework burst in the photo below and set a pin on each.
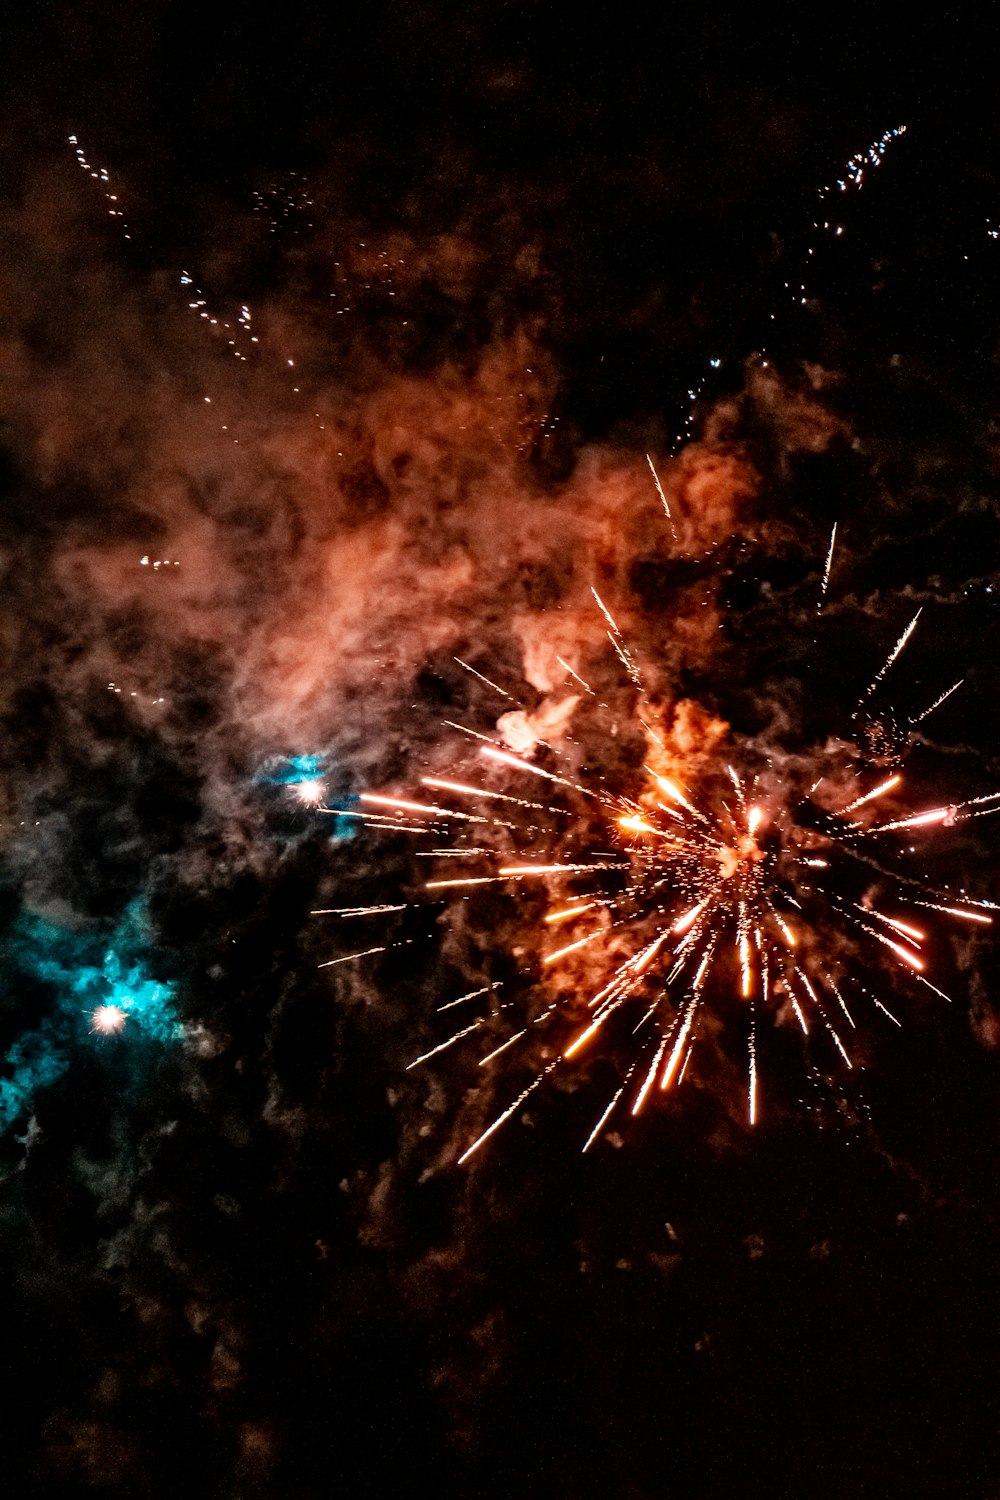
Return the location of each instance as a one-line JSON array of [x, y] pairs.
[[669, 894]]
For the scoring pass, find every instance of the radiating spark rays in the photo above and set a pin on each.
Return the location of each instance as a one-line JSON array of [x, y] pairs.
[[107, 1020], [692, 891]]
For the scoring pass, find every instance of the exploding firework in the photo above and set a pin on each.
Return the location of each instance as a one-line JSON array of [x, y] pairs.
[[661, 872]]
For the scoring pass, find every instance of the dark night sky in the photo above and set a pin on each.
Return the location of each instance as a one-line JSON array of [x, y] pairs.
[[465, 262]]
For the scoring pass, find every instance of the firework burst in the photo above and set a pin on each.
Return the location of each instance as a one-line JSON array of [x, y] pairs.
[[661, 871]]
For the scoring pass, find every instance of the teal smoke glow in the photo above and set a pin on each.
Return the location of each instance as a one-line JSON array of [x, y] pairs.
[[293, 770], [83, 971]]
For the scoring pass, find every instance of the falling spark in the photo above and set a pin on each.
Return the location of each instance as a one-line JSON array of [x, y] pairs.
[[893, 654], [878, 791], [919, 718], [510, 1110], [663, 498], [829, 562], [488, 681], [347, 957]]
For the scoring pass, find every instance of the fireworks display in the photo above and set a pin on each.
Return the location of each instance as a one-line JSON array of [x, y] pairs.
[[497, 822]]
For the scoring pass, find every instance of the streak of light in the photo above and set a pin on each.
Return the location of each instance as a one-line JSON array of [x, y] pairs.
[[488, 681], [918, 820], [442, 1046], [572, 947], [592, 1137], [503, 1047], [510, 1110], [673, 791], [519, 870], [663, 498], [354, 911], [878, 791], [505, 758], [919, 718], [893, 654], [586, 687], [463, 789], [568, 912], [472, 995], [650, 1077], [829, 561], [674, 1058], [347, 957], [955, 911], [689, 918], [420, 807], [903, 927]]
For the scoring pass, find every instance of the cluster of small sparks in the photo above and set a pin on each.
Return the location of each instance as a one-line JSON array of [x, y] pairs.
[[695, 893]]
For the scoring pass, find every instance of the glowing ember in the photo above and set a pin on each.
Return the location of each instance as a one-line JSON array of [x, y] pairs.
[[106, 1020]]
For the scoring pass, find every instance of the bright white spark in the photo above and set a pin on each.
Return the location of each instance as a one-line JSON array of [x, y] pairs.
[[108, 1019]]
